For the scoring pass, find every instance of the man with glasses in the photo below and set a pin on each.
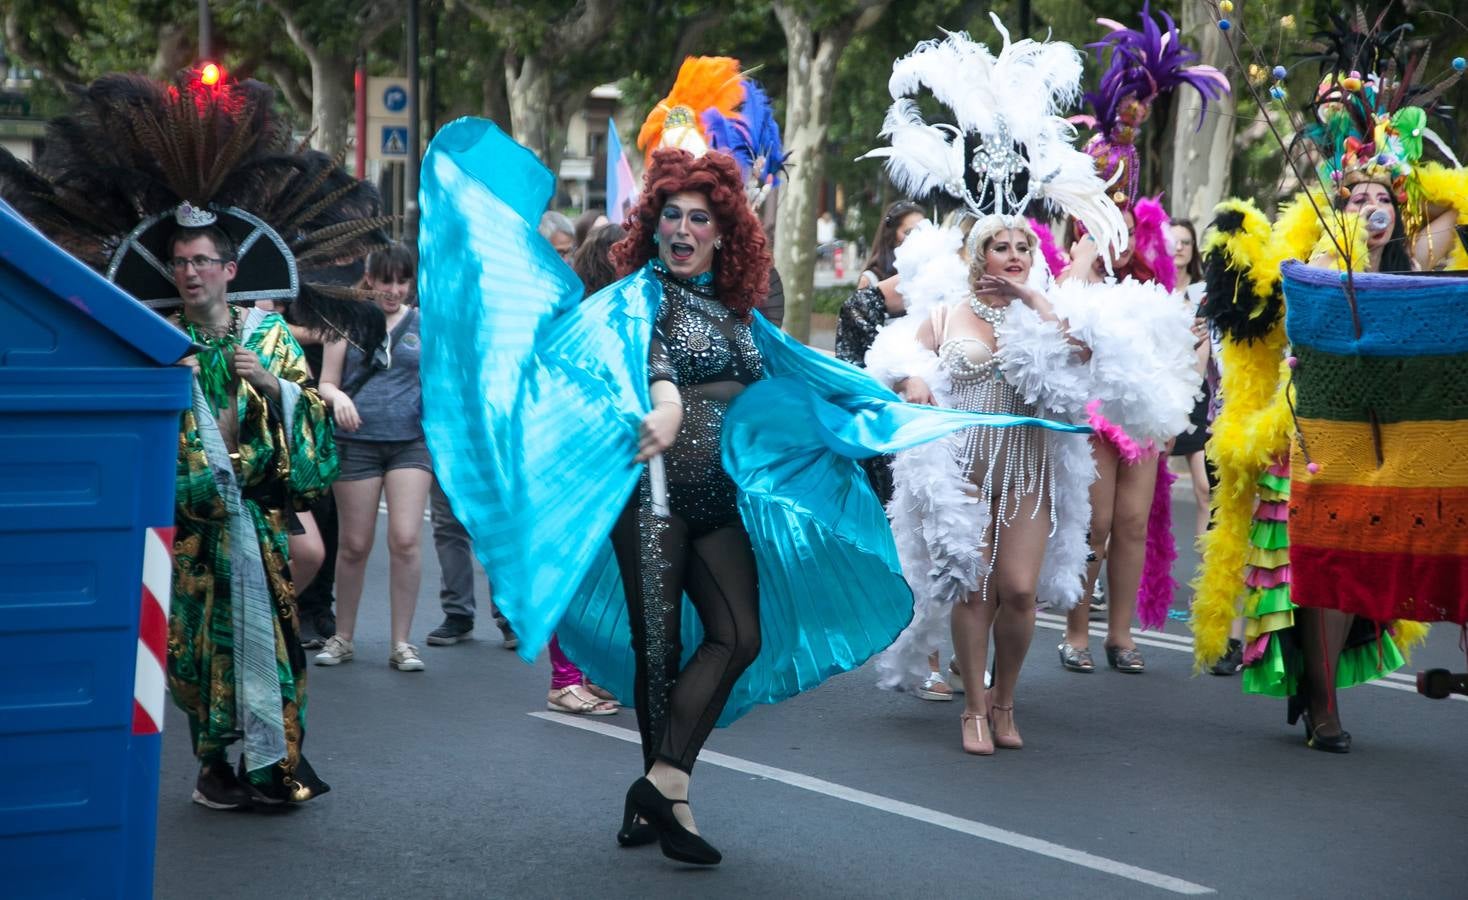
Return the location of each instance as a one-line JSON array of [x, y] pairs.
[[255, 446], [243, 217]]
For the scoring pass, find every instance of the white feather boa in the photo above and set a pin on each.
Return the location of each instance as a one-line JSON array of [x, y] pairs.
[[939, 527], [1142, 364]]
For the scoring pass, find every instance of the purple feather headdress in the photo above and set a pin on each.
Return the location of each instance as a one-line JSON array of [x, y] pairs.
[[1140, 67], [751, 136]]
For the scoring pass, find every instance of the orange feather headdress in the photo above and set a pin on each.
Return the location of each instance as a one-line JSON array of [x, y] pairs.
[[704, 83]]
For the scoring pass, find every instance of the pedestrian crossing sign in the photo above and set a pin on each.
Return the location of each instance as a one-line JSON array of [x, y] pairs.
[[394, 140]]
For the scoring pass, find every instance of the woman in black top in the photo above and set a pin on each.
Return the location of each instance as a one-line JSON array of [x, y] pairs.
[[875, 299]]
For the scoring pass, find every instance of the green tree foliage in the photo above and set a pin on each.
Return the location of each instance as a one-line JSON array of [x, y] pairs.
[[74, 41], [307, 48]]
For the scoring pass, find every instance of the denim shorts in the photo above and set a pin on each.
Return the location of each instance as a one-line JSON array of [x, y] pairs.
[[373, 459]]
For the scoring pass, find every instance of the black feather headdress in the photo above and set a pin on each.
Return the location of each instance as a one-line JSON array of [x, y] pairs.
[[132, 151]]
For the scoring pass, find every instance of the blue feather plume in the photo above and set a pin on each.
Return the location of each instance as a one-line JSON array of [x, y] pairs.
[[752, 136]]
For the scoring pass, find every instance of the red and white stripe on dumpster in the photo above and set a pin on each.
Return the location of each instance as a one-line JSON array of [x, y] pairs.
[[150, 679]]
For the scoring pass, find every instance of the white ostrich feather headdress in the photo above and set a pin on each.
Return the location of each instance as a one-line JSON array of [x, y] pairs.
[[1009, 144]]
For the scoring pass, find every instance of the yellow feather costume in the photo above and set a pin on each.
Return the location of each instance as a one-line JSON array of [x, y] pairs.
[[1445, 187], [1255, 425]]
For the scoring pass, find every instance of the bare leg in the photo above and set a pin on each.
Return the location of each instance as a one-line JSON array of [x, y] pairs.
[[971, 622], [1198, 468], [1128, 549], [356, 508], [1103, 499], [307, 552], [1016, 578], [407, 498]]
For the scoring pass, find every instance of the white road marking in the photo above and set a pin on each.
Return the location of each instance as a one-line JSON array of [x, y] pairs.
[[910, 811], [1393, 680]]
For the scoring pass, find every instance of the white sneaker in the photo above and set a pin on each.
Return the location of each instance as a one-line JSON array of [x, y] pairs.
[[337, 651], [404, 658]]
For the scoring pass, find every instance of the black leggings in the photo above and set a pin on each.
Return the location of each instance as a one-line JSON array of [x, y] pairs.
[[661, 560]]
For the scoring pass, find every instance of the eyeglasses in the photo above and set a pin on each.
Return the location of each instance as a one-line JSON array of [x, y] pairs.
[[200, 263]]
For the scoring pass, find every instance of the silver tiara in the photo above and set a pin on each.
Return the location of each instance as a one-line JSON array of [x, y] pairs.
[[190, 216]]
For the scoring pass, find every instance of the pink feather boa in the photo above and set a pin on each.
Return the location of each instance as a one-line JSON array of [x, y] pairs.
[[1053, 257], [1129, 450], [1149, 242], [1158, 587]]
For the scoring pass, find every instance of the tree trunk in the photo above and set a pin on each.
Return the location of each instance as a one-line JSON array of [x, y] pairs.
[[528, 83], [812, 59], [332, 102], [1201, 159], [295, 89]]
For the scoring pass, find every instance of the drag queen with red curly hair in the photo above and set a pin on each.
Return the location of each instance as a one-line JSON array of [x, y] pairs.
[[694, 228], [655, 472]]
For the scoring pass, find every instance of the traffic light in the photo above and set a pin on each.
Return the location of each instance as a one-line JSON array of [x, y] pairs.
[[210, 74]]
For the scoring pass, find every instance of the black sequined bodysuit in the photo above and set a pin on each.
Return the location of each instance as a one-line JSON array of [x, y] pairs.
[[708, 352], [701, 549]]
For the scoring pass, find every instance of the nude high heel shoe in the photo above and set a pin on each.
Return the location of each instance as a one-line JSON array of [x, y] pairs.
[[1011, 739], [977, 740]]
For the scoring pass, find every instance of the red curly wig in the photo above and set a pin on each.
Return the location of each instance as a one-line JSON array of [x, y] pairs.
[[742, 267]]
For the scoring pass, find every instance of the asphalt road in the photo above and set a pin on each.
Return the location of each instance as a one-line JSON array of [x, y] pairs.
[[454, 783]]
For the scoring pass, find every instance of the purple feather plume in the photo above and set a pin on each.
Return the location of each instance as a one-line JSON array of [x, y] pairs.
[[1146, 64]]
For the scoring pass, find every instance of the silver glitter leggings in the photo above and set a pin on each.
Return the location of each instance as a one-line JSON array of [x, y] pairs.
[[661, 560]]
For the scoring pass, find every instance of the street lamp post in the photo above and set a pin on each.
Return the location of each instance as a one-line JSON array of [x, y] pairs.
[[410, 181], [206, 31]]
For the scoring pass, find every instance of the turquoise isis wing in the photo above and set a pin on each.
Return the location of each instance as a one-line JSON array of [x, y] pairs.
[[530, 405]]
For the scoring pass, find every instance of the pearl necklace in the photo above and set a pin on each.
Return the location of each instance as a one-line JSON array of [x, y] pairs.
[[991, 314]]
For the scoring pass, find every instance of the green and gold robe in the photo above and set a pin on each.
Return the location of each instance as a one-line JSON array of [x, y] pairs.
[[235, 663]]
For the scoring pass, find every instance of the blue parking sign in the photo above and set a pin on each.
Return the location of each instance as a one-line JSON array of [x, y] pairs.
[[394, 140]]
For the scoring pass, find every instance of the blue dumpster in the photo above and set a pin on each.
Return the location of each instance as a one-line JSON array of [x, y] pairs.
[[89, 407]]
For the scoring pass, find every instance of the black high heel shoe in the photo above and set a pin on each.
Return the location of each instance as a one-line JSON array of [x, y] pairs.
[[1333, 743], [644, 799], [1295, 709], [1336, 743], [634, 833]]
